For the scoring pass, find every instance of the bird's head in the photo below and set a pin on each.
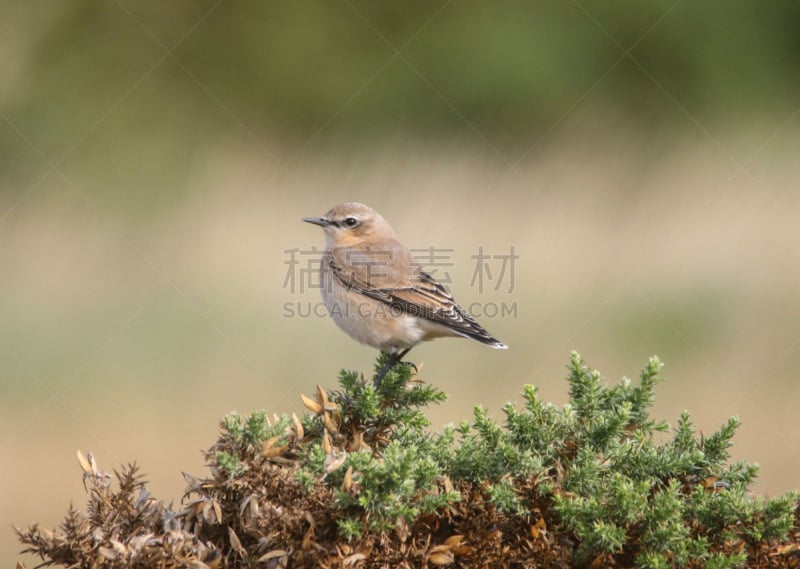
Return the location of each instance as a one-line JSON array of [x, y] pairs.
[[352, 224]]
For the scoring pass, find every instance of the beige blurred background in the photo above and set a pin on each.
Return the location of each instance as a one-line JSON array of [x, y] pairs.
[[157, 159]]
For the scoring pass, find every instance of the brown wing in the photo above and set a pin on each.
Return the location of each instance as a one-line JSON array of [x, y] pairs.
[[392, 277]]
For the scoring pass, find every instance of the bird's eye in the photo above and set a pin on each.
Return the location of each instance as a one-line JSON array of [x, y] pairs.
[[350, 221]]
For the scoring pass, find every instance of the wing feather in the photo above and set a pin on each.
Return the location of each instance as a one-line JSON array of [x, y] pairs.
[[418, 295]]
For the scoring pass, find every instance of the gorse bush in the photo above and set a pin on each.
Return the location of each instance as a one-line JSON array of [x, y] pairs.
[[361, 481]]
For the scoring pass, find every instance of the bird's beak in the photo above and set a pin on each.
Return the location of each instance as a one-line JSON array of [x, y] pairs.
[[321, 221]]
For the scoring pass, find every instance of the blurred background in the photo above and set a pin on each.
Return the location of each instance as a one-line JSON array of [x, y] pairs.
[[613, 177]]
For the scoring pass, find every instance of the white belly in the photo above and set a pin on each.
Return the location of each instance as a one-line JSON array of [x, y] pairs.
[[372, 322]]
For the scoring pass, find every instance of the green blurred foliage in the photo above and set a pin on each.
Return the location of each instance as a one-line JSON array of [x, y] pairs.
[[149, 88]]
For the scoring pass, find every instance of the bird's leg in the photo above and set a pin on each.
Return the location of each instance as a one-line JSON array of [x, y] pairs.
[[400, 357], [391, 361]]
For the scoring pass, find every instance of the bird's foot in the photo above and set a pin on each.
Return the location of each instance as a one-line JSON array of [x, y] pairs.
[[391, 361], [412, 364]]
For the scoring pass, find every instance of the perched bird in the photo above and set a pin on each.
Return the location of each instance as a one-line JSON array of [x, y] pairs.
[[376, 292]]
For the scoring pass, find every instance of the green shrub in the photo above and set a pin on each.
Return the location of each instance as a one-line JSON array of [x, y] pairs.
[[361, 481]]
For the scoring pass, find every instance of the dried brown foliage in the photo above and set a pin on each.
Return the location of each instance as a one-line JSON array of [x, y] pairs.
[[265, 518], [122, 527]]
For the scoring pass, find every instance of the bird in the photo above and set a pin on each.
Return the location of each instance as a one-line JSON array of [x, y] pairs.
[[378, 294]]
